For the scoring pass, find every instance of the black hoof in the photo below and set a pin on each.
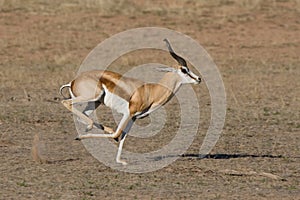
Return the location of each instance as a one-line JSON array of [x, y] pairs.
[[99, 126], [77, 138]]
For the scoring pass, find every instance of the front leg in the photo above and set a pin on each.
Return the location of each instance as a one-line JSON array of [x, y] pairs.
[[122, 125], [123, 137], [118, 158], [123, 128]]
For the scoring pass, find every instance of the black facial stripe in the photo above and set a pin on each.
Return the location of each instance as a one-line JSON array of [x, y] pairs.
[[183, 70], [192, 77], [186, 70]]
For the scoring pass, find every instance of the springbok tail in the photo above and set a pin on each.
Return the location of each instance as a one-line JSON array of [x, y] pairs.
[[62, 87]]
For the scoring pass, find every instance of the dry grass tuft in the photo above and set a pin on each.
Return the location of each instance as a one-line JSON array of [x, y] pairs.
[[37, 150]]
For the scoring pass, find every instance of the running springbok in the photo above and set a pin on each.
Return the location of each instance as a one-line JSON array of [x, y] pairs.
[[131, 97]]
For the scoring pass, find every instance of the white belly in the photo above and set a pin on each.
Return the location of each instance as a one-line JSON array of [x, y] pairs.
[[115, 102]]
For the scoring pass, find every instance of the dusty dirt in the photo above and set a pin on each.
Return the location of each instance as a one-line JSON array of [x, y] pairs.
[[256, 46]]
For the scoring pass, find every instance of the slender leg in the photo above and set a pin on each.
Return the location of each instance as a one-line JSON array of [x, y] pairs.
[[123, 128], [69, 105], [118, 158], [89, 109], [123, 137], [122, 125]]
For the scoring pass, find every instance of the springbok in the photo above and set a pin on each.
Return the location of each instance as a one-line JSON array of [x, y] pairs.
[[131, 97]]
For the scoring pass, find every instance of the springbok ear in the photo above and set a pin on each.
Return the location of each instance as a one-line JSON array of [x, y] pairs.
[[179, 59], [165, 69]]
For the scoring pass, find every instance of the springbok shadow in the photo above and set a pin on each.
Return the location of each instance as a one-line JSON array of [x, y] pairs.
[[229, 156], [219, 156]]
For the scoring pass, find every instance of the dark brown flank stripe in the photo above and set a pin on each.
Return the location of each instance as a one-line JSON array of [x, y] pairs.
[[110, 79]]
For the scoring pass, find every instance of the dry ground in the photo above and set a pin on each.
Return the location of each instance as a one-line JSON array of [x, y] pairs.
[[256, 45]]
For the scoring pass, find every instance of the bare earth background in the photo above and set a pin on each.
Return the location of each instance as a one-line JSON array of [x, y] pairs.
[[256, 45]]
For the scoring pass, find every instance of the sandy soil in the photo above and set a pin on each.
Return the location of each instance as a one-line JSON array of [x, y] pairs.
[[256, 46]]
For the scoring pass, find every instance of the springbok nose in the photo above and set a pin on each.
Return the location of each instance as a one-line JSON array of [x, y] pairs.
[[199, 79]]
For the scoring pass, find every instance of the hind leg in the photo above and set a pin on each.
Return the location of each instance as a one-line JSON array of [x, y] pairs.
[[89, 109], [69, 105]]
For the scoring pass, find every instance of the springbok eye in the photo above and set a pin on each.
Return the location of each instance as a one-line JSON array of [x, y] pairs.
[[184, 70]]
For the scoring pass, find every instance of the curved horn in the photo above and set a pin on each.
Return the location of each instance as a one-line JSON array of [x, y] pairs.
[[179, 59]]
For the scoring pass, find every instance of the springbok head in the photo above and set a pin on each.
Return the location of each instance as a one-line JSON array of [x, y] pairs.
[[182, 69]]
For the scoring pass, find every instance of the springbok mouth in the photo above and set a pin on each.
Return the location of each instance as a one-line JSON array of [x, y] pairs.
[[198, 79]]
